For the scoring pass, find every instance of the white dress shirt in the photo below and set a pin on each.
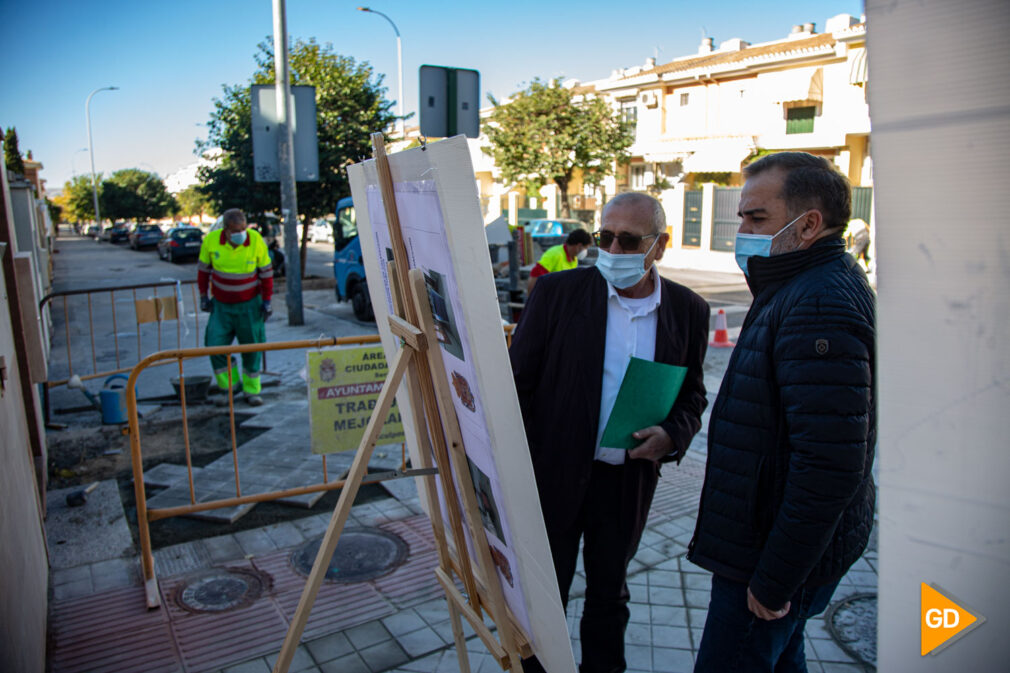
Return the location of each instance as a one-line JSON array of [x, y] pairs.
[[631, 332]]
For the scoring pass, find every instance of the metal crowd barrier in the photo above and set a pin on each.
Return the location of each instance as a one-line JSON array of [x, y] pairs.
[[146, 515], [92, 296]]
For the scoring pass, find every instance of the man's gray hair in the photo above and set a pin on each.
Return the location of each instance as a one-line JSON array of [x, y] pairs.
[[232, 216], [645, 201]]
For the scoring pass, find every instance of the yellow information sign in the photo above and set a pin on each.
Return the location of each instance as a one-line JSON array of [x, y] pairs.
[[344, 384]]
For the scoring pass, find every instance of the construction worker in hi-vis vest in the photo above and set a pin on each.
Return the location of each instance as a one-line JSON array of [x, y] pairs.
[[235, 263]]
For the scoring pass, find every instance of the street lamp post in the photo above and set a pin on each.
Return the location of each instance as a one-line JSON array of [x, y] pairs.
[[91, 150], [73, 167], [399, 63]]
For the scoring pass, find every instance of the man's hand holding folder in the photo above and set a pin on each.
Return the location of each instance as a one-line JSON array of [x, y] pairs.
[[644, 400]]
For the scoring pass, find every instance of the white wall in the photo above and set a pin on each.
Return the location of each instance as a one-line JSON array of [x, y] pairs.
[[940, 103]]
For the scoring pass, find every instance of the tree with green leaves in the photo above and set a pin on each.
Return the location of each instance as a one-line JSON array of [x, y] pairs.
[[545, 133], [134, 194], [76, 198], [12, 155], [55, 212], [192, 201], [350, 104]]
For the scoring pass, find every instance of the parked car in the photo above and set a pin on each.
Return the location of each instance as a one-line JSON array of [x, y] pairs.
[[180, 243], [321, 230], [144, 235], [116, 233], [94, 231], [550, 232]]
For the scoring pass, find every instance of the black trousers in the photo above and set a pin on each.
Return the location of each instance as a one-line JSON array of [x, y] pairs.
[[611, 520]]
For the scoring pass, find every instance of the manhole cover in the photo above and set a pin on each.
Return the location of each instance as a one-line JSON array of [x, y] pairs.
[[361, 554], [219, 590], [853, 624]]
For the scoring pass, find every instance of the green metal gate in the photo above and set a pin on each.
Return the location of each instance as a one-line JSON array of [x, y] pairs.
[[726, 222], [692, 219], [862, 203]]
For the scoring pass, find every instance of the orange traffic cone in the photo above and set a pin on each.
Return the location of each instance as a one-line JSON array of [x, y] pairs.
[[721, 335]]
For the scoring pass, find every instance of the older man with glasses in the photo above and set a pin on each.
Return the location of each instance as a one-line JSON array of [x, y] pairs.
[[569, 354]]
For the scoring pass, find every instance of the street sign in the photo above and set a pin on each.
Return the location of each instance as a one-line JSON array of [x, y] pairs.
[[450, 101], [344, 384], [264, 133]]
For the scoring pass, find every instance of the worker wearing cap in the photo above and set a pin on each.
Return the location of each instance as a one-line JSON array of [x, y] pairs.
[[235, 267], [561, 257]]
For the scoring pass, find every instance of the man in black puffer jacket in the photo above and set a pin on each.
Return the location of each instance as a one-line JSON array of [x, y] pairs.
[[787, 504]]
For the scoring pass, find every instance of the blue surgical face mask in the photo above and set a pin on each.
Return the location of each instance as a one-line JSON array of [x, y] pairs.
[[623, 271], [239, 238], [757, 245]]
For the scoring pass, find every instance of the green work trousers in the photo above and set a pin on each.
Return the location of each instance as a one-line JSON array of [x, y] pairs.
[[243, 320]]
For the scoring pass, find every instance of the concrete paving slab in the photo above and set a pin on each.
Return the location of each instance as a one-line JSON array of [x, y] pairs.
[[180, 558], [255, 542], [350, 663], [223, 548], [174, 497], [668, 660], [404, 490], [301, 660], [329, 647], [383, 656], [115, 574], [60, 576], [167, 474], [73, 590], [368, 635], [313, 526], [222, 514], [403, 622], [95, 531], [306, 500], [285, 534]]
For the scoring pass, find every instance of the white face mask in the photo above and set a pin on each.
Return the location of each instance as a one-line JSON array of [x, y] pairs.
[[582, 254], [757, 245], [238, 238], [623, 271]]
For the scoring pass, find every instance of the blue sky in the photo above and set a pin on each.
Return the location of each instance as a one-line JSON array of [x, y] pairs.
[[170, 58]]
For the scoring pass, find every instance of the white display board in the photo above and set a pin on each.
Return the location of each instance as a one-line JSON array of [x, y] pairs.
[[941, 139], [442, 228]]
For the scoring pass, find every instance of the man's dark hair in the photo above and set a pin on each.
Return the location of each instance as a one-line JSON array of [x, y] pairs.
[[232, 216], [811, 182], [579, 237]]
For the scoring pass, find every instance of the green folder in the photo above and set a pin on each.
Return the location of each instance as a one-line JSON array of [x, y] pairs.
[[647, 393]]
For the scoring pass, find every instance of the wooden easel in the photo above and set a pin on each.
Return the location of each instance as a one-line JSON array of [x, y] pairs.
[[437, 427]]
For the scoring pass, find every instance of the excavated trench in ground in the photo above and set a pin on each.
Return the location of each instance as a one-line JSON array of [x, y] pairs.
[[78, 457]]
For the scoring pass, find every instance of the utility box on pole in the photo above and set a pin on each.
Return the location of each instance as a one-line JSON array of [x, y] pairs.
[[450, 101], [265, 130]]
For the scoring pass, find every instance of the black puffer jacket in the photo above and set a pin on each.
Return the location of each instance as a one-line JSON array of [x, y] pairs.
[[788, 495]]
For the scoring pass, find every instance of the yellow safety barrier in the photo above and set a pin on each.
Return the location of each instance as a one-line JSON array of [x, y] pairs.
[[145, 310], [146, 515]]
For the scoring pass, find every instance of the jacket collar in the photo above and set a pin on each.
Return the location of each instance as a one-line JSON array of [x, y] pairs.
[[767, 271]]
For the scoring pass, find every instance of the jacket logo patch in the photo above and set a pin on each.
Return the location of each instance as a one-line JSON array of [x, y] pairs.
[[821, 346]]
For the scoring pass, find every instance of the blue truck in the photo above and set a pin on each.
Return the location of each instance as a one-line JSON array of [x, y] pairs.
[[348, 270]]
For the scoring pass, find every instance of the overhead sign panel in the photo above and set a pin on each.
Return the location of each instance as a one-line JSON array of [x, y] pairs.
[[450, 101], [265, 135]]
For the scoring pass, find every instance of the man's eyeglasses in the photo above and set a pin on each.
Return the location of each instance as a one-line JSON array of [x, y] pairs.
[[628, 242]]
